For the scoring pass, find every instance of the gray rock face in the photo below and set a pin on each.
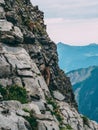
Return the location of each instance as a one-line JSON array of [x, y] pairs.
[[18, 34], [72, 117], [2, 2], [59, 96], [4, 67], [10, 33], [2, 13], [21, 70], [43, 125], [8, 117], [31, 106], [12, 113], [5, 25]]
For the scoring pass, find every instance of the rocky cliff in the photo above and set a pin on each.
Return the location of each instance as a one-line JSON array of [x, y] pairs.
[[34, 93]]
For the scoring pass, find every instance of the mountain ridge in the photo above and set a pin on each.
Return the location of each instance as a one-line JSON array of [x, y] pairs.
[[85, 74], [90, 44], [85, 88], [71, 57]]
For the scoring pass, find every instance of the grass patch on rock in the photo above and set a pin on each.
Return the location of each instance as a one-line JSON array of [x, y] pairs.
[[67, 127], [56, 110], [14, 92], [85, 120], [32, 120]]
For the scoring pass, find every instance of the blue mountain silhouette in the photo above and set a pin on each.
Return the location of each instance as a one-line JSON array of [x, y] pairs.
[[75, 57]]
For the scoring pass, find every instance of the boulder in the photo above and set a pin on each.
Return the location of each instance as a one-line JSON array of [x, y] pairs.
[[14, 105], [59, 96], [18, 35], [44, 117], [5, 26], [31, 106], [10, 33], [40, 104], [2, 13], [2, 2]]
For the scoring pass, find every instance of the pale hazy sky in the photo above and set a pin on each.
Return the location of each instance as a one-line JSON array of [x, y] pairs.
[[71, 21]]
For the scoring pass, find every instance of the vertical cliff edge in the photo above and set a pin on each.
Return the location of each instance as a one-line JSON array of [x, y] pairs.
[[34, 93]]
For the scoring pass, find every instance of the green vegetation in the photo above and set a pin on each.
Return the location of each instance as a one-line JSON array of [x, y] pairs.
[[85, 120], [26, 110], [3, 92], [32, 120], [63, 128], [39, 29], [14, 92], [56, 110], [57, 113], [68, 127]]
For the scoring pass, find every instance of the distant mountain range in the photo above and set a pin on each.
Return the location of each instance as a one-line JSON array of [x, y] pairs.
[[75, 57], [76, 62], [85, 86]]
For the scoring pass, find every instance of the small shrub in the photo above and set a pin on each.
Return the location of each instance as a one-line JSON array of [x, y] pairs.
[[56, 110], [17, 93], [26, 110], [68, 127], [52, 102], [32, 121], [14, 92], [3, 92], [85, 120]]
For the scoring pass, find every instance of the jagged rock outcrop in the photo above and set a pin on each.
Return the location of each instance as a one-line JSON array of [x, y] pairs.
[[23, 26], [25, 48]]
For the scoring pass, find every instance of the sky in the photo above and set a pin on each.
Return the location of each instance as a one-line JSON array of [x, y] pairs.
[[73, 22]]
